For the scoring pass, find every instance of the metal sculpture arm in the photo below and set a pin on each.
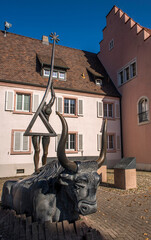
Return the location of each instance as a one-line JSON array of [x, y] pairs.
[[42, 106]]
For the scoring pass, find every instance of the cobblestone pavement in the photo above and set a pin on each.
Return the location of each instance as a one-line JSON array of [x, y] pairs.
[[124, 214]]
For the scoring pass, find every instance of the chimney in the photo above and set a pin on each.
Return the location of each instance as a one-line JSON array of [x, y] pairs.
[[45, 40]]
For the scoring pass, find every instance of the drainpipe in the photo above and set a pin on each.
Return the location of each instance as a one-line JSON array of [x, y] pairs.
[[121, 127]]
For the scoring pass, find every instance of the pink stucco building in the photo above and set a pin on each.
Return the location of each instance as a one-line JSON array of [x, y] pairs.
[[85, 95], [125, 53]]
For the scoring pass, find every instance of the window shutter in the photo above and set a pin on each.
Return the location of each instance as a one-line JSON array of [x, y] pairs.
[[118, 143], [59, 106], [57, 141], [17, 141], [99, 141], [80, 107], [25, 143], [80, 142], [117, 111], [9, 100], [35, 102], [100, 109]]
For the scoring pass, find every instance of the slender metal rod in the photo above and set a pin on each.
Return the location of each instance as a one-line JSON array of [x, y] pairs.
[[49, 86]]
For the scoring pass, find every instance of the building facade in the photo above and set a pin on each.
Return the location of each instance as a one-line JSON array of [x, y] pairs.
[[85, 95], [125, 53]]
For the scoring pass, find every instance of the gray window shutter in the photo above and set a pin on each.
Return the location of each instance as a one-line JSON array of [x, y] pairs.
[[25, 143], [80, 107], [9, 100], [17, 141], [35, 102], [59, 104], [80, 142], [99, 141], [118, 143], [100, 109], [117, 111], [57, 141]]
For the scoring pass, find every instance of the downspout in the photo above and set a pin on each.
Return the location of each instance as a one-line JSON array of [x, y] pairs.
[[121, 127]]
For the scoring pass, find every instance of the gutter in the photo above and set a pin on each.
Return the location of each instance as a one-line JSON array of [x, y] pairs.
[[60, 88]]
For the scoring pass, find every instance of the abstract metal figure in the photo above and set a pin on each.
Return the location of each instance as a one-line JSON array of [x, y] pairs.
[[44, 110], [62, 189]]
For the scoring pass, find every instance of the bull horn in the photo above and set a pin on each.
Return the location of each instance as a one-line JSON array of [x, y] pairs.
[[64, 161], [102, 156]]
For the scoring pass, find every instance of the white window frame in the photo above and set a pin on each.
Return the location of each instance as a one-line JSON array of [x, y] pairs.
[[98, 82], [44, 71], [56, 74], [70, 99], [108, 136], [62, 78], [123, 70], [21, 142], [69, 140], [109, 103], [23, 100], [145, 112]]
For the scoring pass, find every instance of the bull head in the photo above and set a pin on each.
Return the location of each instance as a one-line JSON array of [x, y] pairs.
[[80, 179]]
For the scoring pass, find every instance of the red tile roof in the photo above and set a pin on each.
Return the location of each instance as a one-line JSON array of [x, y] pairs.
[[19, 63]]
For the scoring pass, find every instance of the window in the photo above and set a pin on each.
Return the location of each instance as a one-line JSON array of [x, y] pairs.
[[108, 110], [23, 102], [128, 72], [71, 142], [56, 74], [143, 110], [110, 142], [69, 106], [62, 75], [74, 142], [121, 77], [111, 45], [20, 143], [46, 73], [98, 82], [133, 69]]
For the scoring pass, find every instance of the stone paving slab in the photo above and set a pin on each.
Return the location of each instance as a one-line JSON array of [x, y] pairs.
[[121, 216]]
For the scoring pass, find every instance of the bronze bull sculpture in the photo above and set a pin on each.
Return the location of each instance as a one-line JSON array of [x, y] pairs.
[[61, 190]]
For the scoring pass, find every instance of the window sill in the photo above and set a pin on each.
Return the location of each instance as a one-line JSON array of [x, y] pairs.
[[22, 112], [20, 153], [68, 151], [70, 116], [111, 151], [109, 118], [127, 81], [143, 123]]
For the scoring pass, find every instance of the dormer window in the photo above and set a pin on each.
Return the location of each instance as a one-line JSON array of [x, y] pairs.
[[62, 75], [60, 67], [56, 74], [98, 82]]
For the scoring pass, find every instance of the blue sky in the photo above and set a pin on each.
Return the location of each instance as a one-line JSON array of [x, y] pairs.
[[78, 23]]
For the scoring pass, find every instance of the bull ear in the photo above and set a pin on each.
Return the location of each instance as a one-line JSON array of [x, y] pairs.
[[65, 179]]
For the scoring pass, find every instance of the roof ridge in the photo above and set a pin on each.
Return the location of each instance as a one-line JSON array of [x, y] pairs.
[[2, 31]]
